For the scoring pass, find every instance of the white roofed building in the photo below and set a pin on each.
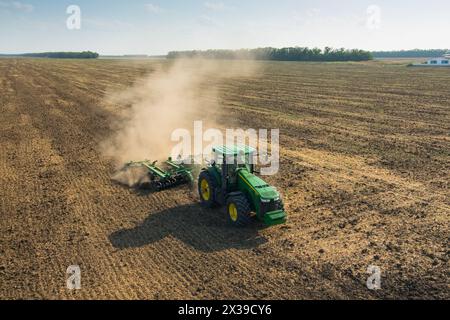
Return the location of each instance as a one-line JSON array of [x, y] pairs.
[[439, 62], [435, 62]]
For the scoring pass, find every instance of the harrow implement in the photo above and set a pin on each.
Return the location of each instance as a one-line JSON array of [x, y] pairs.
[[172, 175]]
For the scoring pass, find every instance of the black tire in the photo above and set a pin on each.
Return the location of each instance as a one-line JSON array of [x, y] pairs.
[[157, 186], [211, 201], [145, 185], [242, 206]]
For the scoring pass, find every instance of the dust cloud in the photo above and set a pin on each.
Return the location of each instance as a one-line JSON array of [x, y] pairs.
[[132, 177], [173, 96]]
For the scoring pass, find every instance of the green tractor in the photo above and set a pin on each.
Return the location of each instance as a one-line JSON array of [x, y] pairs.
[[230, 180]]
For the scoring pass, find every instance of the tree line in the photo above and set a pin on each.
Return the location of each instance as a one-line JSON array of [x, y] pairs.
[[283, 54], [63, 55], [416, 53]]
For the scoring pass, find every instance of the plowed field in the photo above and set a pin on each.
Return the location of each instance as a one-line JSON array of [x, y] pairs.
[[365, 154]]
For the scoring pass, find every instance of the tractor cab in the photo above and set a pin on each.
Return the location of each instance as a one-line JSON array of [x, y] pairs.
[[229, 160]]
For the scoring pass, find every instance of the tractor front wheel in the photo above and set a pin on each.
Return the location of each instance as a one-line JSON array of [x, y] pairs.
[[206, 190], [238, 209]]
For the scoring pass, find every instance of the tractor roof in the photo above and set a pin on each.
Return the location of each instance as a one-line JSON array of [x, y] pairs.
[[234, 150]]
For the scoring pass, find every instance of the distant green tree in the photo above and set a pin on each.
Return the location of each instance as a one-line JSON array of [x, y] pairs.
[[63, 55], [283, 54], [416, 53]]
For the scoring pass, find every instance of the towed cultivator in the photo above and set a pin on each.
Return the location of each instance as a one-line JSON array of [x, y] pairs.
[[172, 175]]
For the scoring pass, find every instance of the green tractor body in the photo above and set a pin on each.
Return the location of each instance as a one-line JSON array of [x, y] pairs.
[[230, 180]]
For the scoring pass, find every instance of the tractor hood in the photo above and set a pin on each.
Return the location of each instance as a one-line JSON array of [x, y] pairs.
[[258, 185]]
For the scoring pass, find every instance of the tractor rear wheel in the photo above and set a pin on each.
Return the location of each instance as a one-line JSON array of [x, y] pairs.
[[238, 209], [206, 190]]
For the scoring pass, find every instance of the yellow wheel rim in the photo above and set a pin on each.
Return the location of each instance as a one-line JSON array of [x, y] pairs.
[[232, 210], [204, 189]]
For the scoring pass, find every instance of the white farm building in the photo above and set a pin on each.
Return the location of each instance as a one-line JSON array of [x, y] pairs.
[[439, 62], [435, 62]]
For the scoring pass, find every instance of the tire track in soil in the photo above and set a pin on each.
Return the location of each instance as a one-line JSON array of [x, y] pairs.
[[22, 225], [54, 234]]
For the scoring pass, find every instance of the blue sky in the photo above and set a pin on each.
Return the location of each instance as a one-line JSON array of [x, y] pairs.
[[155, 27]]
